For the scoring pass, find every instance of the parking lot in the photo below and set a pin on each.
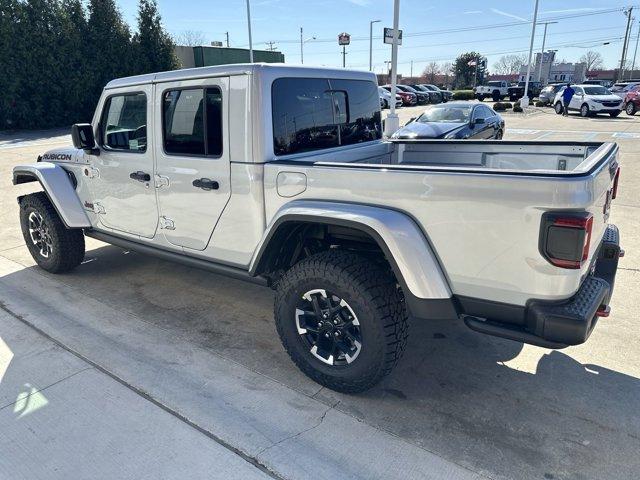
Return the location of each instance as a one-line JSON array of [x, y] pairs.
[[131, 364]]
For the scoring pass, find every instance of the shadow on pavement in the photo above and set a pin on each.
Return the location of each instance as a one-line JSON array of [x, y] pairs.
[[493, 405]]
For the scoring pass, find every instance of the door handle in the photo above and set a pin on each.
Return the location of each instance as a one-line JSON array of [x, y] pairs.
[[140, 176], [206, 184]]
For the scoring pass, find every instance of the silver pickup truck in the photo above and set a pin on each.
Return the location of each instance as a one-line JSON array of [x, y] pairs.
[[279, 175]]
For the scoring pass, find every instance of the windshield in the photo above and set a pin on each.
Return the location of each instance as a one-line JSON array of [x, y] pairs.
[[495, 84], [596, 90], [430, 87], [446, 114]]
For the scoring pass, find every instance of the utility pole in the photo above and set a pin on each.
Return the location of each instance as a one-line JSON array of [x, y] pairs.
[[525, 99], [392, 123], [271, 45], [301, 47], [544, 41], [633, 65], [249, 27], [623, 58], [411, 75], [371, 42], [227, 34]]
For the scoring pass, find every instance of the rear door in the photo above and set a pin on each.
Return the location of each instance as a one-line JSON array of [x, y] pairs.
[[120, 176], [193, 169]]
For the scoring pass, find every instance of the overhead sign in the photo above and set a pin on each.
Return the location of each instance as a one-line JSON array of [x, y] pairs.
[[388, 36], [344, 39]]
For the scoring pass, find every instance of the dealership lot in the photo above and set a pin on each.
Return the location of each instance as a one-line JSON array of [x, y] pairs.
[[197, 355]]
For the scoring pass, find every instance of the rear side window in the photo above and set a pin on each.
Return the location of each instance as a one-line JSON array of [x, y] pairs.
[[313, 114], [192, 121], [123, 125]]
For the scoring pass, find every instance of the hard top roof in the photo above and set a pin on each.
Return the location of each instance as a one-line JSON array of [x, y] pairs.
[[279, 70]]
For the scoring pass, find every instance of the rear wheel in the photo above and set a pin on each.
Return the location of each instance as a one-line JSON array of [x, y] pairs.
[[630, 109], [558, 108], [52, 245], [341, 319], [615, 113], [496, 96]]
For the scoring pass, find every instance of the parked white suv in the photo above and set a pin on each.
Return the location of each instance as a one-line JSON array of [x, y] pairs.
[[385, 98], [590, 100]]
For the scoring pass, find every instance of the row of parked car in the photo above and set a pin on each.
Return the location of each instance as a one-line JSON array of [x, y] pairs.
[[593, 98], [417, 94]]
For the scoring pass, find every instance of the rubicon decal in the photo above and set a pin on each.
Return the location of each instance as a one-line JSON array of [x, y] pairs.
[[57, 156]]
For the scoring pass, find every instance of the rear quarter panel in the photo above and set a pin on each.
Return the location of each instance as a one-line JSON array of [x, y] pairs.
[[484, 228]]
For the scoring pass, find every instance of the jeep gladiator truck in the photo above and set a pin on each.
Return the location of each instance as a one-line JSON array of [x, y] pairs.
[[279, 175], [496, 90]]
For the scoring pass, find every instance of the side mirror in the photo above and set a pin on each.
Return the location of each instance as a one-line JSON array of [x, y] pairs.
[[478, 121], [411, 120], [82, 137]]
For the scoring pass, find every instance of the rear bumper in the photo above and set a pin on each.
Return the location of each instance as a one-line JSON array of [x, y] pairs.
[[558, 324]]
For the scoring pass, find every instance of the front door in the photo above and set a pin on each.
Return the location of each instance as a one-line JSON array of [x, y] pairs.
[[120, 177], [193, 170]]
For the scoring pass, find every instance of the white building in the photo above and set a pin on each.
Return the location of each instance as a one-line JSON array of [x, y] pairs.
[[554, 72]]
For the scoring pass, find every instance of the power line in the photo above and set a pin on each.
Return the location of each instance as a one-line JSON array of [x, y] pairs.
[[472, 28]]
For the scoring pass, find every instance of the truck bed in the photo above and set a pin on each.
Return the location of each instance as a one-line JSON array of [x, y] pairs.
[[479, 203]]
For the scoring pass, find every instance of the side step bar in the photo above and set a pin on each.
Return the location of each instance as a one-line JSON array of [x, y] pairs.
[[178, 258]]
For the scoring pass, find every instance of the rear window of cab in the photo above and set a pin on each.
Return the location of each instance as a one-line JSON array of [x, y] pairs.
[[318, 113]]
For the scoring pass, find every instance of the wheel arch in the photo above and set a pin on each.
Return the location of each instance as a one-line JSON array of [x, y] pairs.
[[58, 187], [404, 245]]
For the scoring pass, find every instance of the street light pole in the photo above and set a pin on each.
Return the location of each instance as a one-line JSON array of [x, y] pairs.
[[302, 42], [371, 43], [524, 101], [633, 65], [392, 123], [249, 26], [625, 44], [544, 41]]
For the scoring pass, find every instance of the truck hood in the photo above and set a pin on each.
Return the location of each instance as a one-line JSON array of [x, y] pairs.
[[427, 130], [61, 154]]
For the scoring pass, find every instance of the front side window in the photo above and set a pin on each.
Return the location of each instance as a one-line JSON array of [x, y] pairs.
[[312, 114], [192, 121], [124, 123]]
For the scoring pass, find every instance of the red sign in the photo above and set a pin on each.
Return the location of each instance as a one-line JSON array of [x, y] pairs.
[[344, 39]]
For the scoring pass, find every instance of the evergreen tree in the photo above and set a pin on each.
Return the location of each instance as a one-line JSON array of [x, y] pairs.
[[109, 50], [9, 80], [154, 48]]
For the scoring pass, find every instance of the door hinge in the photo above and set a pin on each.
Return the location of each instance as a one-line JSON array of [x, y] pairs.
[[161, 181], [98, 208], [167, 223], [90, 172]]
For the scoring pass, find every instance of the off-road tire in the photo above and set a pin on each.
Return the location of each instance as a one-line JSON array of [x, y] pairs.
[[372, 293], [67, 246]]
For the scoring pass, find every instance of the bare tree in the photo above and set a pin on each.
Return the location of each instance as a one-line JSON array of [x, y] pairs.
[[509, 64], [190, 38], [431, 71], [593, 60], [447, 70]]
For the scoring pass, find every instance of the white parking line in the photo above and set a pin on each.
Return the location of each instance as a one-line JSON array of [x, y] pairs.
[[587, 133]]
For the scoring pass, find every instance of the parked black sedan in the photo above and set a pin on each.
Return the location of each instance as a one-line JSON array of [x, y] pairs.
[[455, 120]]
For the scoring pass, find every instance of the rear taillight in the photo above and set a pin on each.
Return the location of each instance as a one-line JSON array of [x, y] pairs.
[[565, 238], [614, 190]]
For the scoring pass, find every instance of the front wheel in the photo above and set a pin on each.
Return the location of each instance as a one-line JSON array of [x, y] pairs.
[[630, 109], [584, 110], [615, 113], [341, 319], [52, 245], [558, 108], [499, 134]]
